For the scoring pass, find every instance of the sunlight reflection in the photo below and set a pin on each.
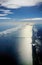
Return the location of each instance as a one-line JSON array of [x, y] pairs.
[[25, 47]]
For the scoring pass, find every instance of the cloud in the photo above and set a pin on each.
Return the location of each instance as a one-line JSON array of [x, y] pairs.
[[18, 27], [2, 1], [9, 30], [19, 3], [31, 19], [5, 12], [4, 18]]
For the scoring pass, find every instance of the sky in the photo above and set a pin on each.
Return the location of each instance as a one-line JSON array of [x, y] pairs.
[[21, 9]]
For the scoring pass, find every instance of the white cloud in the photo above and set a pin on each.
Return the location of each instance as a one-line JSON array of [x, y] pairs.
[[19, 3], [4, 18], [18, 26], [9, 30], [36, 19], [5, 12], [2, 1], [31, 19]]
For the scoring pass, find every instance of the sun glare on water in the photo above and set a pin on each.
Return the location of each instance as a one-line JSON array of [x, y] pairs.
[[25, 47]]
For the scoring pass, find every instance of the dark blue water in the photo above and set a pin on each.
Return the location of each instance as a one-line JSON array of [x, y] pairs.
[[9, 44], [9, 47]]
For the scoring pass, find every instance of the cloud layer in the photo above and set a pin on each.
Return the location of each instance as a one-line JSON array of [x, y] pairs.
[[17, 26], [31, 19], [7, 9], [19, 3], [4, 12], [5, 18]]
